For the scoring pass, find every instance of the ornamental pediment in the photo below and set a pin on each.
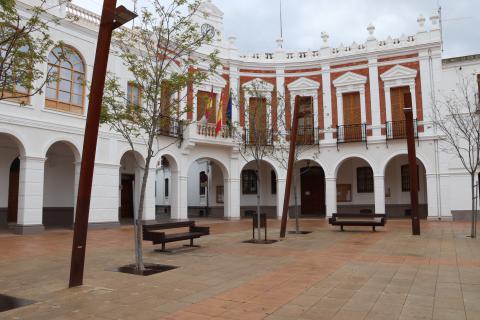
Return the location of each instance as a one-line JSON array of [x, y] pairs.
[[349, 79], [398, 72], [257, 84], [302, 84], [215, 80]]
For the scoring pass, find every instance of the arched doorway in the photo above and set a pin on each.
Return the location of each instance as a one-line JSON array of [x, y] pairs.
[[206, 189], [355, 186], [131, 173], [11, 150], [13, 187], [59, 186], [397, 188], [166, 188], [267, 189], [310, 185]]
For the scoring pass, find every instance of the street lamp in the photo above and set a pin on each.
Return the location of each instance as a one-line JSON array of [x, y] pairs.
[[111, 19]]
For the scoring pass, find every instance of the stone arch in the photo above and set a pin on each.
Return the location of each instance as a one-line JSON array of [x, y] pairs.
[[15, 137], [75, 148], [396, 185], [319, 162], [351, 156], [220, 163], [205, 197], [269, 162], [139, 156], [167, 187], [420, 158], [268, 188]]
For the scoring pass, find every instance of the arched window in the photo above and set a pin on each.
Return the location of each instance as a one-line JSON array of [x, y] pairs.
[[66, 90]]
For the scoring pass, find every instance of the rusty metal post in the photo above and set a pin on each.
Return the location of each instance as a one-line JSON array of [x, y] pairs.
[[291, 160], [90, 143], [412, 164]]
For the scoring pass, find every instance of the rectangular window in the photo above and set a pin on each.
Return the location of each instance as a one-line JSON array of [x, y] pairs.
[[249, 182], [273, 182], [364, 180], [397, 101], [405, 173], [133, 95], [166, 188]]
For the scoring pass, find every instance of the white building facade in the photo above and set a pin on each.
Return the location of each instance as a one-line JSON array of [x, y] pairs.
[[352, 99]]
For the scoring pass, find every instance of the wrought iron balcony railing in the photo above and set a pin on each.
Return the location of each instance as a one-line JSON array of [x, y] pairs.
[[306, 136], [397, 129], [170, 127], [253, 136], [352, 133]]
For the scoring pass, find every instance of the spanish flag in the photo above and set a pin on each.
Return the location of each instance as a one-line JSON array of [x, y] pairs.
[[219, 118]]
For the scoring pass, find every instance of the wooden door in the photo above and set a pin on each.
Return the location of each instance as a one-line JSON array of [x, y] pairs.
[[257, 117], [126, 201], [398, 117], [165, 105], [313, 191], [305, 121], [13, 184], [352, 116]]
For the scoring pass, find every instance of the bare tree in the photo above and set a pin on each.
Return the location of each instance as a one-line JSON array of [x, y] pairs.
[[160, 55], [457, 118], [307, 142], [24, 42], [257, 141]]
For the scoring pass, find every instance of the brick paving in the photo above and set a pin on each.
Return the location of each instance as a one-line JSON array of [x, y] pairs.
[[323, 275]]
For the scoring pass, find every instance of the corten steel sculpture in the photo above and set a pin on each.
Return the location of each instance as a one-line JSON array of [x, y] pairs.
[[291, 160], [111, 19], [412, 164]]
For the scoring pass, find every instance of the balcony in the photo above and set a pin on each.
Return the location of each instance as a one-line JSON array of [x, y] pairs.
[[253, 137], [205, 133], [210, 130], [397, 129], [170, 127], [306, 136], [352, 133]]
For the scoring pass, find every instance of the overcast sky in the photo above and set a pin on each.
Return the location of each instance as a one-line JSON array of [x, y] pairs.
[[256, 24]]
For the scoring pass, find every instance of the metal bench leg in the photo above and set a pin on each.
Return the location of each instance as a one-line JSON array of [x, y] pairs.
[[191, 242], [374, 229], [341, 228], [163, 246]]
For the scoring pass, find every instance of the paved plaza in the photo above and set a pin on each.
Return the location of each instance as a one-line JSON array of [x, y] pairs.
[[327, 274]]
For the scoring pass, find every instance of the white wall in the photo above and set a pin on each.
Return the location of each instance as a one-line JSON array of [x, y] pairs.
[[347, 174], [266, 196], [59, 177], [393, 182]]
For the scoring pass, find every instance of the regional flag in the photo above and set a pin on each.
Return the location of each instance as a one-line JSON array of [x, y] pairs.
[[229, 109], [219, 119]]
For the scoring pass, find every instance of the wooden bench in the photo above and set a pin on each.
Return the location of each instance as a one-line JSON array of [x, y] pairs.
[[357, 219], [151, 232]]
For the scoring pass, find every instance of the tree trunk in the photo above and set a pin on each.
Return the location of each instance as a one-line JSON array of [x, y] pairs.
[[473, 232], [139, 219], [297, 222], [258, 200]]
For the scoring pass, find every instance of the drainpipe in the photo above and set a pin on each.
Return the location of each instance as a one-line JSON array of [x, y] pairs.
[[437, 164]]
